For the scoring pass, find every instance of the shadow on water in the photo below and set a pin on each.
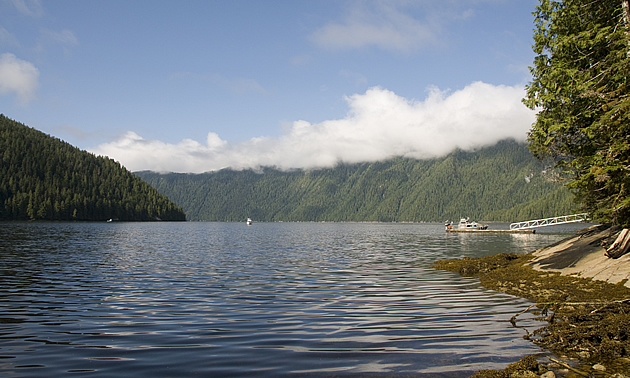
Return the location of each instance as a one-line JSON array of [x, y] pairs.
[[272, 299]]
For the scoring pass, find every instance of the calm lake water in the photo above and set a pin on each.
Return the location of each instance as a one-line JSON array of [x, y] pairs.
[[271, 299]]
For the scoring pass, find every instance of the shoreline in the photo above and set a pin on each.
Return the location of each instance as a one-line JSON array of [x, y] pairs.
[[582, 295]]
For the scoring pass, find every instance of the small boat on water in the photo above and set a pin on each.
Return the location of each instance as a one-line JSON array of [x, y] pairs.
[[466, 225], [249, 221]]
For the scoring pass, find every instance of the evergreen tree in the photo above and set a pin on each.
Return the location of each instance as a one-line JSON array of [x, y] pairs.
[[45, 178], [580, 86]]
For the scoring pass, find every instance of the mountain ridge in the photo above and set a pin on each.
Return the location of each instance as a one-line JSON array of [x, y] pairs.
[[45, 178], [503, 182]]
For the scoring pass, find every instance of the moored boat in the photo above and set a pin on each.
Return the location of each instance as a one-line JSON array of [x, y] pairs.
[[466, 224]]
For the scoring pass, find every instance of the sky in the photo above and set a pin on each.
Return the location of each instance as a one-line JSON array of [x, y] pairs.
[[198, 86]]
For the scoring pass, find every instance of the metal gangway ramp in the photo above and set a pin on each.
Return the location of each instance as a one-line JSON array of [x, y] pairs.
[[574, 218]]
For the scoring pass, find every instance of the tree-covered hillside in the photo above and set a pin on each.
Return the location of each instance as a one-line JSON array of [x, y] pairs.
[[42, 177], [503, 183]]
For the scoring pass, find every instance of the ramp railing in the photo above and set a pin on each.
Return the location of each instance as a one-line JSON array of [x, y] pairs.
[[574, 218]]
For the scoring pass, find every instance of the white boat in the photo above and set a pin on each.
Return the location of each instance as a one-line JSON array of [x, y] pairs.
[[466, 225], [249, 221]]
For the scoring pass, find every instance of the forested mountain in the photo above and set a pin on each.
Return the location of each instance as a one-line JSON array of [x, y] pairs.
[[42, 177], [502, 183]]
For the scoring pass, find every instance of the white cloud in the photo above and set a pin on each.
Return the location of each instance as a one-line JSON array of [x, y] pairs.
[[64, 37], [354, 77], [31, 8], [7, 38], [300, 60], [19, 77], [379, 125], [379, 24]]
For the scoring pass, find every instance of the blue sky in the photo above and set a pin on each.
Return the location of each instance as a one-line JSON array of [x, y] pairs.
[[194, 86]]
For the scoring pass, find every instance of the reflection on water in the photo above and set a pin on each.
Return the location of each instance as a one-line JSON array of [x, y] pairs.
[[271, 299]]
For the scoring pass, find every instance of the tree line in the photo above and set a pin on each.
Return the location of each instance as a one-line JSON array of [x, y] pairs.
[[504, 182], [44, 178]]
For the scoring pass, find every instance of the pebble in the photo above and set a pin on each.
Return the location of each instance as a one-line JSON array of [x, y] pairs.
[[549, 374], [584, 354], [524, 374], [599, 367]]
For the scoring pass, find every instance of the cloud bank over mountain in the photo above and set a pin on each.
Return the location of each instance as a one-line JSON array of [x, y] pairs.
[[379, 125]]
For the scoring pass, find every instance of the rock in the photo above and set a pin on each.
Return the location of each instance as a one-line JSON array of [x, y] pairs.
[[549, 374], [584, 354], [524, 374], [599, 367]]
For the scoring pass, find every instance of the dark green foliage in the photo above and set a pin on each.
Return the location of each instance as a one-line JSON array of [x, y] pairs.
[[42, 177], [501, 183], [580, 86]]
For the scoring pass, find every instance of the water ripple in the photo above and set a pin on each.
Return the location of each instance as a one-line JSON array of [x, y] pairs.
[[271, 299]]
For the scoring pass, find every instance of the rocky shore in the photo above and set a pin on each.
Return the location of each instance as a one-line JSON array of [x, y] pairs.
[[582, 298]]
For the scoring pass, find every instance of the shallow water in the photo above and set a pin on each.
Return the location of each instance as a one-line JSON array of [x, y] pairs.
[[271, 299]]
